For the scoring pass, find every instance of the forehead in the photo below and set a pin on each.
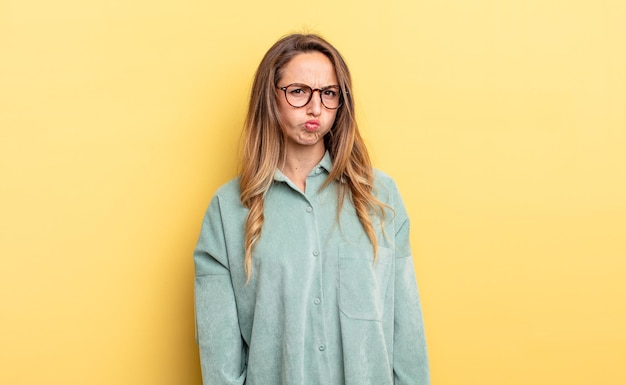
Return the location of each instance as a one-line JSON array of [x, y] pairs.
[[312, 68]]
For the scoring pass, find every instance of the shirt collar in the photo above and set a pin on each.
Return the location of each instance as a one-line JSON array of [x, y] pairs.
[[326, 163]]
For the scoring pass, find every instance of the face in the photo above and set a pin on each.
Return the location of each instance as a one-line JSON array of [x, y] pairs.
[[304, 128]]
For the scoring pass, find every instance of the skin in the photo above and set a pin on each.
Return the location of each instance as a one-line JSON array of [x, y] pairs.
[[304, 144]]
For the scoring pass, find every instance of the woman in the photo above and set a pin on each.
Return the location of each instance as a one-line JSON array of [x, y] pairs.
[[303, 269]]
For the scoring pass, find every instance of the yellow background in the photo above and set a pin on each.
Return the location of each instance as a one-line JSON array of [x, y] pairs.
[[503, 123]]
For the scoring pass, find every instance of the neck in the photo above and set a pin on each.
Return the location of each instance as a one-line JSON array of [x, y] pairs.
[[297, 165]]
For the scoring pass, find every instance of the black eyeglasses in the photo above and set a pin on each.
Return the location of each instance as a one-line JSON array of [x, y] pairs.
[[299, 95]]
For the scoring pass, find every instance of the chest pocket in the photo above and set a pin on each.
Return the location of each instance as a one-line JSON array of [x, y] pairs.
[[363, 284]]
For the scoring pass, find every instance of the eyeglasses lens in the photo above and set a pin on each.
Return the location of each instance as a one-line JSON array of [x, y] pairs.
[[299, 95]]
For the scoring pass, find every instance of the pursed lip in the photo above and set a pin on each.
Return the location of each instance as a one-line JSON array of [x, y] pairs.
[[312, 125]]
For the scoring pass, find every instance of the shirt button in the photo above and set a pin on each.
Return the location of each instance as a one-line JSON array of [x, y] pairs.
[[317, 170], [317, 301], [316, 253], [309, 209], [322, 348]]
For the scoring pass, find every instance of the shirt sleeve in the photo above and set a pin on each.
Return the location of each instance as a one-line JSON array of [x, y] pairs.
[[222, 349], [410, 359]]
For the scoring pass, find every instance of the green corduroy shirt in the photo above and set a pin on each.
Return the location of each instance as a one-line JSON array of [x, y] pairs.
[[318, 309]]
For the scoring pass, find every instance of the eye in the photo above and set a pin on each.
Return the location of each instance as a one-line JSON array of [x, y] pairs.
[[331, 92], [298, 90]]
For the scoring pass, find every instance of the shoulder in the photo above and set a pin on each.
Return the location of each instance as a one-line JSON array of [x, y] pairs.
[[385, 188], [229, 189], [227, 195], [383, 178]]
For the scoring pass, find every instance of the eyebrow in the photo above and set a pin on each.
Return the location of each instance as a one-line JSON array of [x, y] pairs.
[[304, 84]]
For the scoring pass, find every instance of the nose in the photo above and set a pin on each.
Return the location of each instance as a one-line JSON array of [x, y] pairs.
[[314, 107]]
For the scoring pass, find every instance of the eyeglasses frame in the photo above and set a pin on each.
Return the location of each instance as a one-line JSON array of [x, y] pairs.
[[320, 90]]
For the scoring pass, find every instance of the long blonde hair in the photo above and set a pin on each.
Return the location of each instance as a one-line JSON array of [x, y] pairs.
[[263, 142]]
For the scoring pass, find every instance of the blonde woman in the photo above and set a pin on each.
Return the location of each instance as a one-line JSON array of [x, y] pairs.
[[303, 270]]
